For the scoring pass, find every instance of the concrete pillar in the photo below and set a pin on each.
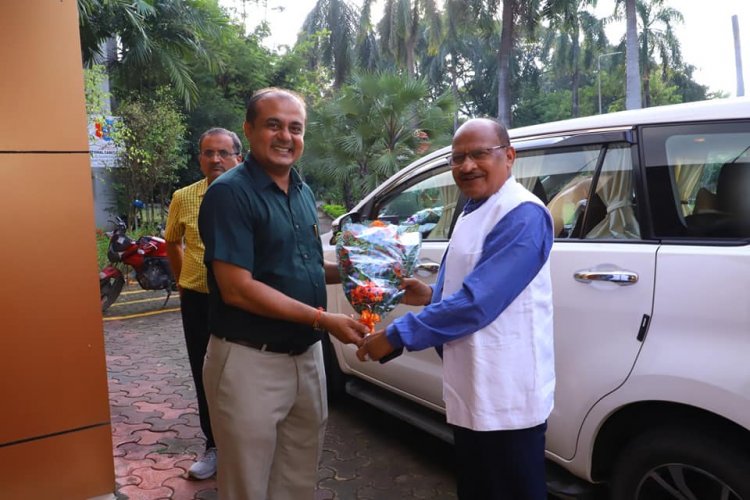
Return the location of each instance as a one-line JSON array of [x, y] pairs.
[[55, 438]]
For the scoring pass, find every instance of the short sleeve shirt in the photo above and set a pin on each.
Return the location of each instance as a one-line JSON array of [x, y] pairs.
[[182, 225], [247, 221]]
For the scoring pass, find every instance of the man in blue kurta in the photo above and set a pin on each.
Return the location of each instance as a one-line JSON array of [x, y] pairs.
[[491, 311]]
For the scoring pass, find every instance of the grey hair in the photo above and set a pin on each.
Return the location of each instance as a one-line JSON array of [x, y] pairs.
[[236, 143]]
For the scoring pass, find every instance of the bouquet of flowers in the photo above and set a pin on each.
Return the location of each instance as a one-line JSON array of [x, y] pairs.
[[373, 259]]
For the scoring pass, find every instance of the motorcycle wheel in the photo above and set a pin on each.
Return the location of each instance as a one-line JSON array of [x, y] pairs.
[[109, 290]]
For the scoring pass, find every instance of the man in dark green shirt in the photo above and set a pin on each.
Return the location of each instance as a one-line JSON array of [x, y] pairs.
[[264, 375]]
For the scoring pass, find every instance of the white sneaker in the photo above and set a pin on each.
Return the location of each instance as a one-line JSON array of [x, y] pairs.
[[205, 466]]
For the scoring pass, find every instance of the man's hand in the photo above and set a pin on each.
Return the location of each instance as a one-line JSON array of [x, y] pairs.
[[376, 346], [345, 328], [417, 293]]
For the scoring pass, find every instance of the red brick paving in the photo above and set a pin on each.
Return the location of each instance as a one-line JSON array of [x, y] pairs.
[[156, 435]]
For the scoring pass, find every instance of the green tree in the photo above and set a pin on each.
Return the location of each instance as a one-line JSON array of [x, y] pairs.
[[657, 34], [157, 40], [371, 129], [574, 36], [338, 22], [96, 97], [293, 70], [151, 137], [403, 23], [246, 67]]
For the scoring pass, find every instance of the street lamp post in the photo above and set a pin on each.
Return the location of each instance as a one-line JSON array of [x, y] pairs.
[[599, 74]]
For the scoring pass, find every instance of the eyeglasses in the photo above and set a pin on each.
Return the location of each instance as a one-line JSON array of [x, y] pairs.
[[478, 155], [210, 153]]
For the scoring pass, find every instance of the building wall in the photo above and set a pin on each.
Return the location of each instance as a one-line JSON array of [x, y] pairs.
[[55, 438]]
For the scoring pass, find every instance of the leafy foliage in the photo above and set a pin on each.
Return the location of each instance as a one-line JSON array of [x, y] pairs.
[[379, 92], [151, 138], [371, 129]]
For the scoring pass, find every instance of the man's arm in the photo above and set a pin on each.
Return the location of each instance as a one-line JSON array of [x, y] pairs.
[[513, 253], [239, 289], [173, 233], [175, 254]]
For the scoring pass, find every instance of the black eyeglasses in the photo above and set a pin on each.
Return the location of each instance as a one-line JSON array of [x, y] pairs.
[[478, 155], [223, 153]]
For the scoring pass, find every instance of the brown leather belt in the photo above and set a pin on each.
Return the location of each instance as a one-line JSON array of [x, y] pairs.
[[272, 347]]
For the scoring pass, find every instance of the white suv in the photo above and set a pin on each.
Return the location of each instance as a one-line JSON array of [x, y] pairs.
[[651, 278]]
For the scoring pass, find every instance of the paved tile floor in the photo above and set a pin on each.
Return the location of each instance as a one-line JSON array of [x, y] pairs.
[[367, 455], [155, 430]]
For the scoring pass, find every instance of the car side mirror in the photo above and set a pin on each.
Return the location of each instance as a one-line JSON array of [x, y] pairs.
[[339, 222]]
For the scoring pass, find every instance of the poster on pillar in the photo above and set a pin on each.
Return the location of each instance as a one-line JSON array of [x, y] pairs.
[[102, 144]]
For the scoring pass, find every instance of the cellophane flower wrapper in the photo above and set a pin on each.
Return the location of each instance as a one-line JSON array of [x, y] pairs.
[[373, 259]]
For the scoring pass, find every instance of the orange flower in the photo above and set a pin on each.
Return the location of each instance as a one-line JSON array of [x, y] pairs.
[[369, 319]]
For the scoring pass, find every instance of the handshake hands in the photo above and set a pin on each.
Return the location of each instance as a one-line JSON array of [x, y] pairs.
[[375, 347]]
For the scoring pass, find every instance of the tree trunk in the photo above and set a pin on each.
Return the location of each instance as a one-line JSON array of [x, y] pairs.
[[503, 67], [646, 72], [576, 83], [346, 192], [632, 70]]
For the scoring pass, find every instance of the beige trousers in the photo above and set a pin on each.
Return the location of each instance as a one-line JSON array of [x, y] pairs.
[[268, 414]]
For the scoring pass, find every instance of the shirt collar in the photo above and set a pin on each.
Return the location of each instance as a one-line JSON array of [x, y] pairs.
[[472, 205], [202, 186], [262, 179]]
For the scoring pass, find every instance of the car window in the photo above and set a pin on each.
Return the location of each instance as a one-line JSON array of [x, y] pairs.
[[430, 203], [561, 179], [699, 180], [611, 206], [582, 204]]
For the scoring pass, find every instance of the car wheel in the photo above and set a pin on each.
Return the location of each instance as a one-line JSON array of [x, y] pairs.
[[335, 378], [673, 463]]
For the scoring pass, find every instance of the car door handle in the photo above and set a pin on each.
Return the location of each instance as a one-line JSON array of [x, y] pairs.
[[428, 267], [620, 277]]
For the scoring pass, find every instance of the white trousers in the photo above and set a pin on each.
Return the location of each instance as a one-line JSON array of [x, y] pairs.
[[268, 414]]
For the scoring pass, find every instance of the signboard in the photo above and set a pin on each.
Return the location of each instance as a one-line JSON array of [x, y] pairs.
[[101, 143]]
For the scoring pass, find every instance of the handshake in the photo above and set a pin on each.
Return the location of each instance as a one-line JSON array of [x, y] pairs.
[[377, 348]]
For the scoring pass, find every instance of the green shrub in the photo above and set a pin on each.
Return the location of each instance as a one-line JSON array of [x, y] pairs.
[[334, 211]]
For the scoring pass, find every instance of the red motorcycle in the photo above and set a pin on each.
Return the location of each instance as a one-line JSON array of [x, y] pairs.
[[147, 256]]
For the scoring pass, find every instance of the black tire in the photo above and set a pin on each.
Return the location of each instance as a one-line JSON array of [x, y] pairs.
[[671, 463], [109, 290], [335, 378]]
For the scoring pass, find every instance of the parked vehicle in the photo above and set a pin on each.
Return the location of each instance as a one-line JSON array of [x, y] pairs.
[[147, 256], [651, 281]]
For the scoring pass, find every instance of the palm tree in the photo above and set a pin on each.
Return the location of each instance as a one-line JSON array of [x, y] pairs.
[[632, 68], [158, 40], [525, 14], [100, 20], [657, 34], [402, 25], [569, 20], [371, 129], [368, 55], [339, 21]]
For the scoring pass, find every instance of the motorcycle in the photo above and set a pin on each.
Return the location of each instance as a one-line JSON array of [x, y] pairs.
[[147, 256]]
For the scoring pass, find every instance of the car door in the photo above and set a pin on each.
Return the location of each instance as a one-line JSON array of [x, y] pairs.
[[415, 375], [699, 192], [602, 271]]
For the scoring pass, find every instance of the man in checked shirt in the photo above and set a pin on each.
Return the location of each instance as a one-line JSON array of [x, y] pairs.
[[220, 150]]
